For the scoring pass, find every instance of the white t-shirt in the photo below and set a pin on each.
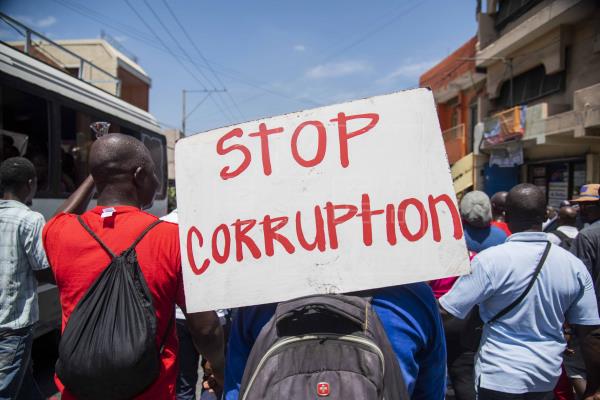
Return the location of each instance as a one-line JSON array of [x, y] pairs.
[[570, 231]]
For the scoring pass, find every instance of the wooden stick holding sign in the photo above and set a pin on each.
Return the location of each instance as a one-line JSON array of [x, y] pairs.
[[341, 198]]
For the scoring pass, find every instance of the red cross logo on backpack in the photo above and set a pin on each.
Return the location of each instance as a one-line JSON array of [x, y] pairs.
[[323, 389]]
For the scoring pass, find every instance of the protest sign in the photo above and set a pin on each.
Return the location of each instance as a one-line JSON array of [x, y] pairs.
[[341, 198]]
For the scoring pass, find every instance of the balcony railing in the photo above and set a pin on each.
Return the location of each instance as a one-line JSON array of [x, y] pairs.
[[455, 141], [30, 42], [505, 126]]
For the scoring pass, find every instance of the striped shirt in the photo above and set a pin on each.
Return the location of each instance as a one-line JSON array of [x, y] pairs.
[[21, 253]]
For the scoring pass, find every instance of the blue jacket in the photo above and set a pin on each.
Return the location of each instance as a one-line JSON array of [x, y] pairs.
[[479, 239], [410, 317]]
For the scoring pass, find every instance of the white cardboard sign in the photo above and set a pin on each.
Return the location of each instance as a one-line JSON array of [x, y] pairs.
[[341, 198]]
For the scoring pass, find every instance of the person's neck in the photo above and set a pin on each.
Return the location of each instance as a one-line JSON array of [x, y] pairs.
[[535, 228], [12, 196], [113, 198]]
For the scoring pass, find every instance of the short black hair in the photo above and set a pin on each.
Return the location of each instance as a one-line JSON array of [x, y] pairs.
[[526, 205], [15, 172]]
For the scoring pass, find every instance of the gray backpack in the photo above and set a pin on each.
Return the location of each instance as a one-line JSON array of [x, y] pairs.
[[328, 346]]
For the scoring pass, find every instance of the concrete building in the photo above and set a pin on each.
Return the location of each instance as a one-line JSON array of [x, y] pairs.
[[538, 109], [172, 135], [542, 63], [457, 88], [112, 71]]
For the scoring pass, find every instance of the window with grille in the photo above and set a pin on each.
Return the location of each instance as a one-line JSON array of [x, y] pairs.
[[509, 10], [529, 86]]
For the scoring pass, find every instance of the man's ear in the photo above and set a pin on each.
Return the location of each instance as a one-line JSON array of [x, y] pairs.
[[31, 185], [138, 176]]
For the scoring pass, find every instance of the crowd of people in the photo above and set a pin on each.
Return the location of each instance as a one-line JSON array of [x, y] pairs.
[[524, 324]]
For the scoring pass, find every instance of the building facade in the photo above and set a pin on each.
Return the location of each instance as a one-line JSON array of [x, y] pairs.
[[97, 62], [538, 111], [458, 90]]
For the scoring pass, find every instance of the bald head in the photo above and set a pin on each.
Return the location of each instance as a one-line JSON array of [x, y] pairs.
[[525, 208], [114, 156], [498, 201], [567, 216], [122, 168]]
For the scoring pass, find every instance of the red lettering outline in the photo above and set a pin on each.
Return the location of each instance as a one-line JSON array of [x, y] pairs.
[[333, 222], [237, 132], [435, 221], [366, 214], [319, 241], [190, 251], [402, 219], [270, 234], [221, 259], [242, 238], [343, 134], [321, 144], [264, 133]]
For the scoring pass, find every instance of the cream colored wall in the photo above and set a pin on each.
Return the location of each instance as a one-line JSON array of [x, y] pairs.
[[89, 51], [172, 135], [582, 62]]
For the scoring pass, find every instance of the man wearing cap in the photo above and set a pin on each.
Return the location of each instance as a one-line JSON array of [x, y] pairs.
[[476, 213], [586, 245]]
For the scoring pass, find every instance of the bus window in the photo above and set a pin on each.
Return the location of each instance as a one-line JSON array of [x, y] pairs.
[[25, 131], [76, 139], [157, 149]]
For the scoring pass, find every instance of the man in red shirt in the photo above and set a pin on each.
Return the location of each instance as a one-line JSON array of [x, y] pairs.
[[123, 172], [498, 201]]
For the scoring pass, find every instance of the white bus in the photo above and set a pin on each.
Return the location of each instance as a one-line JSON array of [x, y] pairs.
[[45, 117]]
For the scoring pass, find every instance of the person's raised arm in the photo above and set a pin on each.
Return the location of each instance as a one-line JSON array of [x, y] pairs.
[[207, 335], [589, 336], [78, 201]]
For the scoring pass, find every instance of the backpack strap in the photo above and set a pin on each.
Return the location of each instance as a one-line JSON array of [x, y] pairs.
[[512, 305], [561, 235], [93, 234], [105, 247], [141, 236], [166, 334]]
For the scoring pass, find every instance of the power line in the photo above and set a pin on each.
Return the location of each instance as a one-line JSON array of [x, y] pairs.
[[186, 55], [404, 12], [170, 51], [208, 64], [369, 33], [104, 19], [373, 31], [174, 39], [198, 105], [165, 46]]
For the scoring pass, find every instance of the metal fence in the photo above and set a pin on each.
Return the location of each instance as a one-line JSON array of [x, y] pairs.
[[19, 36]]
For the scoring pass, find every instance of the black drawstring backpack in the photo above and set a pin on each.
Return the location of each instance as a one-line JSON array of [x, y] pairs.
[[108, 348]]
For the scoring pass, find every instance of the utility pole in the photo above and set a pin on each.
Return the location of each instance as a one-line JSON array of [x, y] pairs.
[[184, 93]]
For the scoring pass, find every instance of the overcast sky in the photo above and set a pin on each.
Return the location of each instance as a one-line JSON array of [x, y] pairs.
[[273, 56]]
